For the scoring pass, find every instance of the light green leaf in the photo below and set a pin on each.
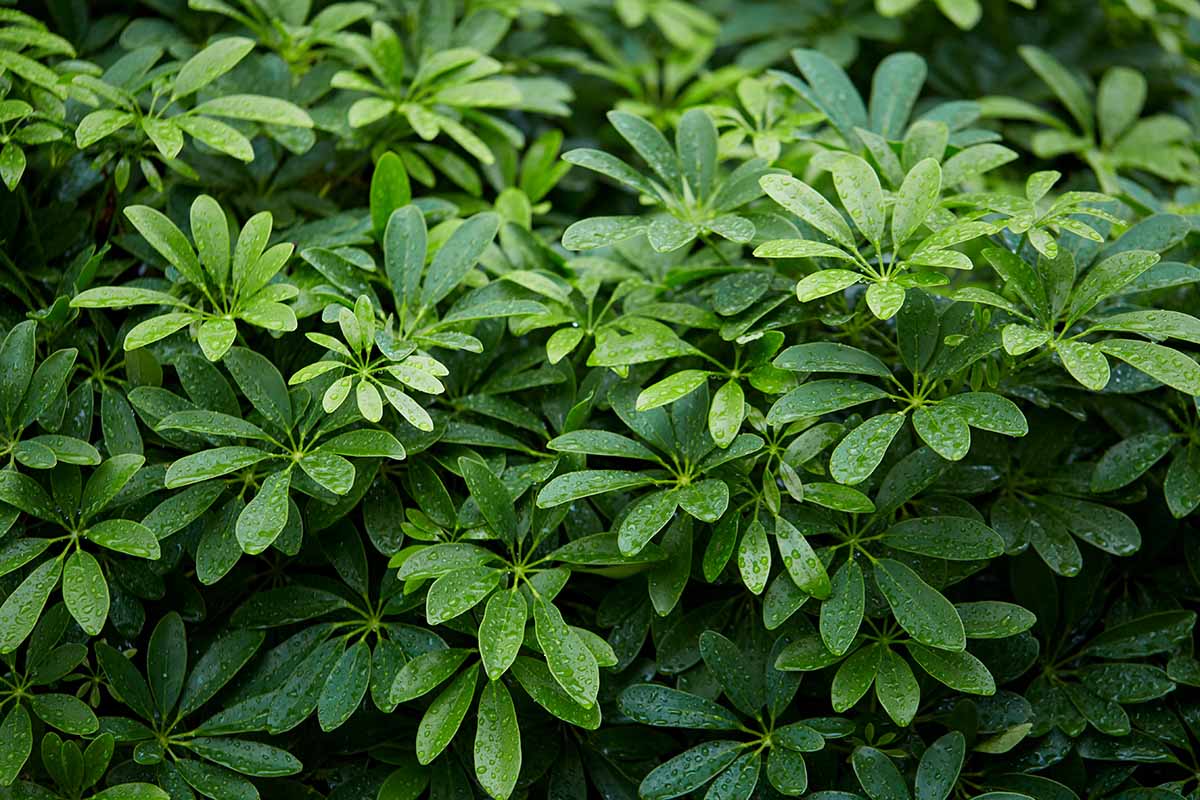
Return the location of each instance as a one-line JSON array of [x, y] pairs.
[[99, 125], [994, 619], [917, 197], [1165, 365], [168, 240], [950, 538], [855, 675], [1126, 461], [165, 134], [213, 463], [885, 299], [215, 337], [649, 515], [1154, 323], [726, 413], [919, 608], [842, 611], [12, 165], [390, 191], [809, 205], [1086, 363], [1108, 278], [859, 453], [24, 493], [501, 632], [497, 742], [989, 412], [671, 388], [329, 471], [123, 297], [246, 756], [897, 688], [534, 676], [458, 591], [661, 706], [585, 483], [651, 145], [800, 248], [209, 64], [754, 557], [264, 517], [425, 672], [217, 135], [600, 443], [858, 187], [943, 429], [588, 234], [831, 357], [960, 671], [85, 592], [256, 108], [125, 536], [706, 500], [445, 715], [458, 256], [822, 397], [571, 662], [22, 608], [801, 560]]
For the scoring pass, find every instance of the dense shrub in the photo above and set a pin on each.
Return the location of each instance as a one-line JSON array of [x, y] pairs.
[[574, 399]]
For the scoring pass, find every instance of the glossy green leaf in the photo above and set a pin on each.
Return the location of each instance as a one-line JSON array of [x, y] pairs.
[[445, 714], [497, 742], [800, 560], [842, 611], [689, 770], [878, 775], [919, 608], [21, 609], [938, 770], [951, 538], [896, 688], [571, 662], [345, 687], [501, 632], [857, 456], [662, 706]]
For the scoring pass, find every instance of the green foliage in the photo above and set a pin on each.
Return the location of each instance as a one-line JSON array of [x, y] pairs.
[[1109, 134], [635, 399]]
